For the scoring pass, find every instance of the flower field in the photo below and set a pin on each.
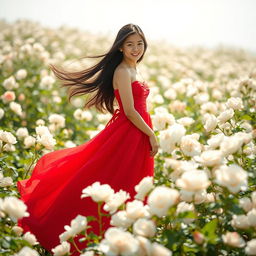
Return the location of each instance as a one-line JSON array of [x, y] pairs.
[[202, 200]]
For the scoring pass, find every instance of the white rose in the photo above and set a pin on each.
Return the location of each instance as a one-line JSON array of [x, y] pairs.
[[235, 103], [161, 120], [185, 121], [215, 140], [14, 207], [77, 225], [10, 83], [61, 249], [47, 141], [251, 215], [253, 196], [225, 116], [240, 221], [7, 137], [230, 145], [5, 181], [144, 246], [17, 230], [211, 158], [98, 192], [161, 199], [194, 180], [119, 242], [250, 248], [210, 122], [142, 189], [232, 177], [168, 138], [144, 227], [160, 250], [29, 141], [115, 201], [233, 239], [30, 238], [57, 120], [21, 74], [47, 82], [190, 146], [16, 108], [120, 219], [22, 132], [27, 251], [245, 203], [185, 207], [136, 209]]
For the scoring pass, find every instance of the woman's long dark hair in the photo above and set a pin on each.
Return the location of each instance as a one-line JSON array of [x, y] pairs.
[[98, 78]]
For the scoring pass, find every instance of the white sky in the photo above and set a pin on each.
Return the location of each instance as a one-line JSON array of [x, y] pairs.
[[182, 22]]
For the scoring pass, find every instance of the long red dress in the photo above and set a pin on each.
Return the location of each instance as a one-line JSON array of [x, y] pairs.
[[119, 155]]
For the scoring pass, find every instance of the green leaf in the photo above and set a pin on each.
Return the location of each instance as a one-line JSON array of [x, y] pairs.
[[209, 231]]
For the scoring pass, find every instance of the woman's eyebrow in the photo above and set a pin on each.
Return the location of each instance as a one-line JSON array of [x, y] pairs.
[[132, 41]]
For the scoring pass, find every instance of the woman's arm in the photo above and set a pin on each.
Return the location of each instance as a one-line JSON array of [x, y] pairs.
[[123, 81]]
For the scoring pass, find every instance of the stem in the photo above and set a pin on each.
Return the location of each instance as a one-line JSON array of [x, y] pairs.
[[100, 218], [74, 243], [33, 159]]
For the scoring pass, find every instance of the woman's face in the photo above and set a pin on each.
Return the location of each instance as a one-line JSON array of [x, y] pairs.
[[133, 47]]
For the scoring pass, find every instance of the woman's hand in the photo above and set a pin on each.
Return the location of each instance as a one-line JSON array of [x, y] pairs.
[[154, 144]]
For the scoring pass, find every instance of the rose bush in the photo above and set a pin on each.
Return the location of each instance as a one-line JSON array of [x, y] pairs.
[[202, 200]]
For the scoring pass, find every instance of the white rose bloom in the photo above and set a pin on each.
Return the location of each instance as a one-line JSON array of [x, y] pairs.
[[17, 230], [7, 137], [47, 141], [161, 120], [169, 137], [211, 158], [98, 192], [194, 180], [29, 141], [233, 239], [120, 219], [10, 83], [185, 121], [61, 249], [69, 144], [41, 130], [190, 146], [215, 140], [27, 251], [77, 225], [115, 201], [235, 103], [210, 122], [89, 253], [145, 246], [118, 242], [57, 120], [14, 207], [161, 199], [240, 221], [22, 132], [230, 145], [160, 250], [47, 82], [225, 116], [9, 147], [21, 74], [144, 227], [16, 108], [30, 238], [250, 248], [244, 137], [251, 215], [1, 113], [232, 177], [5, 181], [246, 203], [136, 209], [142, 189], [40, 122], [87, 115]]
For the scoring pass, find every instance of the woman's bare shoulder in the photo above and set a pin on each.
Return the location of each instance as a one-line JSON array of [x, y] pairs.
[[120, 74]]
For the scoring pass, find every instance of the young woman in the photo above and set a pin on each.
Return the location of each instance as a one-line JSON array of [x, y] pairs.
[[121, 155]]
